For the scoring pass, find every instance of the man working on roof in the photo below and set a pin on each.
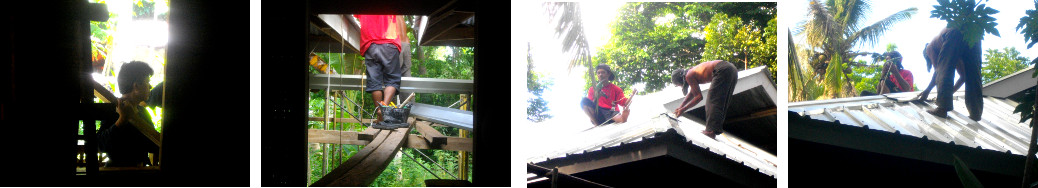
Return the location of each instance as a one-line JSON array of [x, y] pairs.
[[609, 96], [899, 79], [722, 77], [380, 46]]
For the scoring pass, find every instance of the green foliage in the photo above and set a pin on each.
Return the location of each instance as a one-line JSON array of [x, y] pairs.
[[1030, 25], [1027, 106], [969, 17], [967, 177], [834, 28], [536, 83], [867, 77], [745, 46], [834, 76], [1001, 63], [650, 40]]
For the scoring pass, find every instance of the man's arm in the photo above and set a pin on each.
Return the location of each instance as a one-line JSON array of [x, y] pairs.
[[691, 99], [926, 92]]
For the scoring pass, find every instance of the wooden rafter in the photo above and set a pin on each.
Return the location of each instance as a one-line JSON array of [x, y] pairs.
[[431, 135], [364, 138], [341, 120], [754, 115]]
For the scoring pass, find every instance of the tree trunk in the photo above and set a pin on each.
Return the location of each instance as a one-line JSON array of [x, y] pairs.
[[1029, 170]]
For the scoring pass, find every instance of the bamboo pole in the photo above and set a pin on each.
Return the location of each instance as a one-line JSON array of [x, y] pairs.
[[464, 157]]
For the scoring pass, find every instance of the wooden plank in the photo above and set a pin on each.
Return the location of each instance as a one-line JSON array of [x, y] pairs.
[[457, 144], [374, 164], [342, 120], [102, 92], [368, 134], [363, 167], [351, 162], [431, 135], [412, 141], [335, 137]]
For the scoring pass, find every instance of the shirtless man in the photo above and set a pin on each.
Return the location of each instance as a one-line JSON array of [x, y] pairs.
[[723, 76]]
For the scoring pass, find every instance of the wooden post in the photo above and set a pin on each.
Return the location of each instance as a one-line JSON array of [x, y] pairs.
[[464, 157], [324, 147]]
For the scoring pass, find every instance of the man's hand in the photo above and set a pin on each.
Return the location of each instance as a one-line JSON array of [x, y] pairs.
[[677, 112], [922, 96]]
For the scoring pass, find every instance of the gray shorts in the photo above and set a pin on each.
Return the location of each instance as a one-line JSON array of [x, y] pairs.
[[383, 66]]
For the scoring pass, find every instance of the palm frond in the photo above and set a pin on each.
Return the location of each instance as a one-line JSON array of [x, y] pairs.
[[821, 27], [870, 34], [834, 76], [569, 27]]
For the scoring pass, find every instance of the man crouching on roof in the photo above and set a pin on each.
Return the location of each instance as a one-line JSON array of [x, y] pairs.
[[609, 98], [722, 75]]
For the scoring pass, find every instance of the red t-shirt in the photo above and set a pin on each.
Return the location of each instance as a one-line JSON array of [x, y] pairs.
[[612, 92], [377, 29], [907, 75]]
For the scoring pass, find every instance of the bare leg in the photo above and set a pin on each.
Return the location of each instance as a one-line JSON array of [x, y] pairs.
[[389, 92], [622, 117], [377, 96], [590, 113]]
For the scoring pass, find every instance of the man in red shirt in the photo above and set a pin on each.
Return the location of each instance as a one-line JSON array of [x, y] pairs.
[[380, 44], [610, 98], [722, 77], [899, 82]]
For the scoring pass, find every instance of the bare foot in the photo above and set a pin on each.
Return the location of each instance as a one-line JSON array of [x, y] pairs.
[[938, 113], [711, 134]]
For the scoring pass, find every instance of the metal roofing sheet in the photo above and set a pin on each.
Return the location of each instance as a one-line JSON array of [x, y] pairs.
[[615, 135], [999, 128], [648, 120]]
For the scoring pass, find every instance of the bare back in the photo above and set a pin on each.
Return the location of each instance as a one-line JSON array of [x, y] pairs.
[[702, 73]]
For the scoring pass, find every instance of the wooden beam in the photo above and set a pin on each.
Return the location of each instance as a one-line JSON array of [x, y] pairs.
[[368, 134], [431, 135], [362, 168], [342, 120], [438, 28], [102, 92], [452, 143], [335, 137], [360, 138], [755, 115]]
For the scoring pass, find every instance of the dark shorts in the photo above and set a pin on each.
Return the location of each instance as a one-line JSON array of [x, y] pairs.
[[383, 66], [603, 114], [721, 88]]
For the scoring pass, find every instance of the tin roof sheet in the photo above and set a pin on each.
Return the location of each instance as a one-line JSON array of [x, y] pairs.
[[999, 128]]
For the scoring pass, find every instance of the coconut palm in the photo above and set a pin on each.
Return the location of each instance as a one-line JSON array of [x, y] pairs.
[[833, 29]]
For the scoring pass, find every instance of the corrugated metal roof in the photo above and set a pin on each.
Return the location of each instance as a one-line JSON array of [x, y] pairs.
[[999, 128], [648, 119], [616, 135]]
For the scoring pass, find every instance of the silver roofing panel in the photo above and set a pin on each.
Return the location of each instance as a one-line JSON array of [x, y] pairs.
[[447, 116], [617, 134], [999, 128]]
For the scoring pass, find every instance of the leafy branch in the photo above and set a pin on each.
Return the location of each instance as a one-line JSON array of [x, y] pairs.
[[971, 18]]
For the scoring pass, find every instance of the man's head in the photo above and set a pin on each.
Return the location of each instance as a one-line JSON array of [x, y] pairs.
[[894, 57], [604, 73], [678, 78], [134, 80]]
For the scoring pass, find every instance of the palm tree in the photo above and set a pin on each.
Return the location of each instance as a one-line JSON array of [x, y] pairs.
[[570, 27], [833, 29]]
